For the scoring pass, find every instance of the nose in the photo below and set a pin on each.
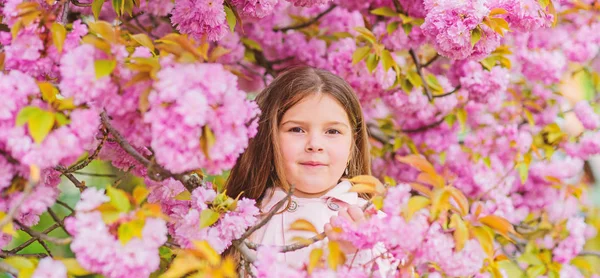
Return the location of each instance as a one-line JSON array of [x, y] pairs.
[[314, 144]]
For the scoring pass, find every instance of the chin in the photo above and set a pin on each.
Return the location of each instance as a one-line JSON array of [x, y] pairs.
[[313, 186]]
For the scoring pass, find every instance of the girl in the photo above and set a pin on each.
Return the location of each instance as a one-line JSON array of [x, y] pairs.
[[311, 134]]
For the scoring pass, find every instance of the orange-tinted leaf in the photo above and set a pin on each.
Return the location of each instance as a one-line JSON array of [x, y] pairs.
[[417, 161], [421, 188], [433, 179], [303, 225], [206, 252], [461, 200], [440, 202], [498, 224], [368, 181]]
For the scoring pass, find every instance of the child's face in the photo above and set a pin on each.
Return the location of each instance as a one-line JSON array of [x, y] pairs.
[[315, 138]]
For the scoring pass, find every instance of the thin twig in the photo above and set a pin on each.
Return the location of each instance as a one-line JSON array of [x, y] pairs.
[[43, 236], [31, 240], [449, 93], [57, 220], [95, 175], [80, 185], [423, 128], [65, 205], [90, 158], [14, 208], [420, 72], [34, 255], [269, 215], [589, 253], [122, 142], [65, 13], [437, 55], [308, 23], [79, 4]]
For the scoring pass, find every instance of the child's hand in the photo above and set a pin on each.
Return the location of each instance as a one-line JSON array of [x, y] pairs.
[[352, 213]]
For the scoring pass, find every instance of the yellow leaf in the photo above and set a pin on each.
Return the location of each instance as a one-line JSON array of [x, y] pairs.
[[59, 34], [387, 60], [129, 230], [73, 267], [461, 233], [461, 200], [207, 140], [110, 214], [218, 52], [417, 161], [97, 43], [415, 204], [440, 202], [475, 36], [118, 198], [208, 217], [384, 11], [498, 224], [314, 259], [377, 202], [414, 78], [19, 263], [206, 251], [104, 67], [231, 20], [9, 227], [104, 30], [139, 194], [144, 41], [362, 188], [485, 239], [303, 225], [366, 33], [252, 44], [368, 181], [432, 179], [184, 196], [48, 90], [184, 263], [25, 113], [336, 257], [97, 7], [40, 124], [497, 11]]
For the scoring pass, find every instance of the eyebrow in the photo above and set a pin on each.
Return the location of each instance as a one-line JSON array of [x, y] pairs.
[[304, 123]]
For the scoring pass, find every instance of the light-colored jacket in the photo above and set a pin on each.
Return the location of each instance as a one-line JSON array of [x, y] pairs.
[[317, 211]]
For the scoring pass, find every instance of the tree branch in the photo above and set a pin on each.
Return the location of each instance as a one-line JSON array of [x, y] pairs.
[[423, 128], [420, 72], [589, 253], [79, 4], [308, 23], [437, 55], [43, 236], [268, 217], [65, 13], [449, 93], [31, 240], [90, 158], [81, 186], [155, 171], [13, 209], [96, 175]]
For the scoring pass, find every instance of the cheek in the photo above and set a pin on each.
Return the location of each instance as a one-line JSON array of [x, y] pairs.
[[340, 152], [290, 148]]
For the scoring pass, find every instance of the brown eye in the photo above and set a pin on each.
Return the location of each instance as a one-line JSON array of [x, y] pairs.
[[296, 129], [333, 131]]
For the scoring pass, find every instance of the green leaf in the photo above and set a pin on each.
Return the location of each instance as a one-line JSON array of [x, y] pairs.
[[104, 67], [208, 217], [488, 62], [118, 6], [40, 124], [230, 16], [367, 34], [130, 229], [536, 271], [407, 28], [144, 40], [387, 60], [97, 7], [128, 7], [475, 36], [360, 54], [393, 26], [384, 11], [523, 171], [252, 44], [25, 113], [372, 62], [434, 84], [61, 119], [59, 34], [118, 198]]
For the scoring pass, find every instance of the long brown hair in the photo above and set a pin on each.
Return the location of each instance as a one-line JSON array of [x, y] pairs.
[[261, 166]]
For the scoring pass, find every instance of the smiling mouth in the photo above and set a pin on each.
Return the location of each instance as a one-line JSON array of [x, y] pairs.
[[312, 164]]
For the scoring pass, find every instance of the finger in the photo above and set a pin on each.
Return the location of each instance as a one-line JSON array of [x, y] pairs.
[[356, 213], [330, 233], [344, 213]]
